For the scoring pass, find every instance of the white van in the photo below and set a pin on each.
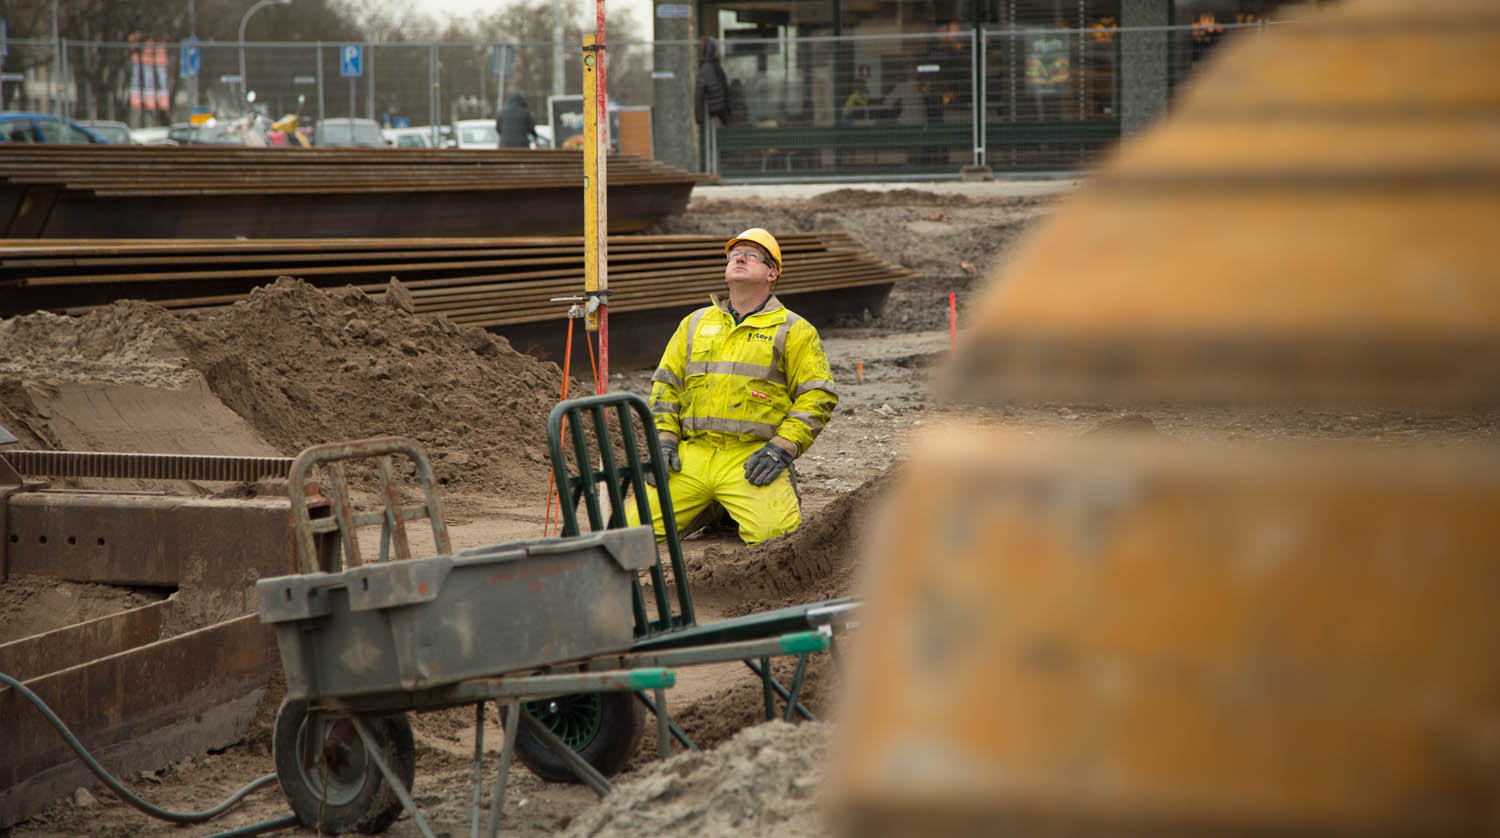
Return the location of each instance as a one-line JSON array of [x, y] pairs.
[[476, 133], [344, 131], [409, 137]]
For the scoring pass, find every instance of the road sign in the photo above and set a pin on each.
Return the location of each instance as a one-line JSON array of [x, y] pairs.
[[502, 60], [351, 61], [192, 59]]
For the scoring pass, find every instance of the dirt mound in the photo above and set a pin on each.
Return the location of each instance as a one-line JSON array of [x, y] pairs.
[[764, 781], [304, 366], [808, 565], [128, 343], [838, 199]]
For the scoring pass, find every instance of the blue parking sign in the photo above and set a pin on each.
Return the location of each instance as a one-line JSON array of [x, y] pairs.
[[502, 60], [351, 61], [192, 59]]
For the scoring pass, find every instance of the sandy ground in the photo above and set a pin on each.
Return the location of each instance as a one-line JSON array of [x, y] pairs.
[[296, 366], [299, 366]]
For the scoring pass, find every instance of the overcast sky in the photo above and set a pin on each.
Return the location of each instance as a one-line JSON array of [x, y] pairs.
[[639, 9]]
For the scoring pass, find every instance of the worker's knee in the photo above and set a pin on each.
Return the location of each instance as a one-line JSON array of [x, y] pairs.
[[773, 513], [756, 531]]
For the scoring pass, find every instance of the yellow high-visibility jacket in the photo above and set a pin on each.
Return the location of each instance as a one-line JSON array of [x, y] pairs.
[[765, 377]]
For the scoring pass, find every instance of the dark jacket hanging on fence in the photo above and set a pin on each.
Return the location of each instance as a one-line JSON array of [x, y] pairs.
[[712, 99]]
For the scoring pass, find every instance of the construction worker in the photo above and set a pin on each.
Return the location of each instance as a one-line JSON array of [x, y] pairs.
[[741, 391]]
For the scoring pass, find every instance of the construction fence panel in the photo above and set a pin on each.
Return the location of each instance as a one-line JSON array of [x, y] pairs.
[[1057, 99], [274, 79], [848, 107], [870, 107], [30, 78], [1051, 97]]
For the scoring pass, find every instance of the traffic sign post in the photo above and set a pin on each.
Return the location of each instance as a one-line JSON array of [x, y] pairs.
[[502, 61], [4, 54], [351, 61], [191, 61], [351, 67]]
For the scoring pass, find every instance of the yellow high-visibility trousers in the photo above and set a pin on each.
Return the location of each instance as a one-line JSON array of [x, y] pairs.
[[715, 471]]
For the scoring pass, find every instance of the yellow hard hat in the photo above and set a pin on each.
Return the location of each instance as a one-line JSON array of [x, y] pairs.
[[758, 236]]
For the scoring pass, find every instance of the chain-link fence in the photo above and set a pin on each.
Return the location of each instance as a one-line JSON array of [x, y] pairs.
[[904, 106], [886, 106], [818, 106]]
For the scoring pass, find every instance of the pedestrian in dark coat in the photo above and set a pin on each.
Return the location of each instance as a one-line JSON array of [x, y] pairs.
[[514, 123], [712, 99]]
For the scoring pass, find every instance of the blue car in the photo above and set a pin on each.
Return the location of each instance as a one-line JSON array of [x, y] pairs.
[[43, 128]]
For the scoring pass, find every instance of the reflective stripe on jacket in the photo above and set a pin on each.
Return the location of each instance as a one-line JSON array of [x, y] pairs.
[[765, 377]]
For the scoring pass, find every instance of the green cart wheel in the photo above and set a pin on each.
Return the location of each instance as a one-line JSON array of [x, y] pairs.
[[604, 728]]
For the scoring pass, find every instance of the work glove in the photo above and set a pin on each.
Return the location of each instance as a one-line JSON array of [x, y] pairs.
[[765, 464], [668, 449]]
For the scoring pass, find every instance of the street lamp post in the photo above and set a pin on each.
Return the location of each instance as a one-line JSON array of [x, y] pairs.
[[193, 37], [57, 58], [244, 88]]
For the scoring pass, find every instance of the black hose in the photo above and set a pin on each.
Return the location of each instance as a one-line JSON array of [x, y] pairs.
[[124, 793], [257, 828]]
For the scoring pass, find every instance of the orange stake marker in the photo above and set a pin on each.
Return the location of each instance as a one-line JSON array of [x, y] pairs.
[[952, 321], [859, 367]]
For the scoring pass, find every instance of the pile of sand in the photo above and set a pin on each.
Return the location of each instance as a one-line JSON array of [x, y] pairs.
[[305, 366], [764, 781]]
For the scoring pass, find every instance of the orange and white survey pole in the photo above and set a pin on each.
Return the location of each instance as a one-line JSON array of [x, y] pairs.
[[596, 197]]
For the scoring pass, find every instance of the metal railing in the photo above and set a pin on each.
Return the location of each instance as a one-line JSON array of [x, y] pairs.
[[851, 107]]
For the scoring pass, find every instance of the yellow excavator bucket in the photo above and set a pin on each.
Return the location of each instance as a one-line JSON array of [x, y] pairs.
[[1315, 222], [1130, 635]]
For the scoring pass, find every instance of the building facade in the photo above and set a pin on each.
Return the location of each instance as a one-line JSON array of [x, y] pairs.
[[880, 88]]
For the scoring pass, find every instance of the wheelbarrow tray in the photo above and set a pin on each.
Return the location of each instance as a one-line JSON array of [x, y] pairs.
[[421, 623]]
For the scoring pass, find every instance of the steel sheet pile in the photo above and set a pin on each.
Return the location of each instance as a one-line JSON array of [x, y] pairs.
[[489, 282], [216, 191]]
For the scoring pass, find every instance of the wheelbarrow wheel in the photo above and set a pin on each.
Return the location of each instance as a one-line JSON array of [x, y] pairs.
[[332, 782], [604, 728]]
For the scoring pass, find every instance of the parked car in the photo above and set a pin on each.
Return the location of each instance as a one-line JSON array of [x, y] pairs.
[[213, 132], [409, 137], [344, 131], [20, 127], [116, 133], [476, 133], [151, 135]]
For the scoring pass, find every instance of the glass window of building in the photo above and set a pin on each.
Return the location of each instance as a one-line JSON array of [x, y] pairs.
[[1052, 60], [771, 71]]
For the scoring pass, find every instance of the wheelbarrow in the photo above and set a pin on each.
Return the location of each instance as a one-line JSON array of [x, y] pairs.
[[556, 628], [361, 642]]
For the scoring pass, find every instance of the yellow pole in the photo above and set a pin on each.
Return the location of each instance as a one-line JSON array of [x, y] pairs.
[[595, 201]]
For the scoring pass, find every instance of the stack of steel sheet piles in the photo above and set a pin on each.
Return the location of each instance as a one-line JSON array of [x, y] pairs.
[[215, 191], [508, 285]]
